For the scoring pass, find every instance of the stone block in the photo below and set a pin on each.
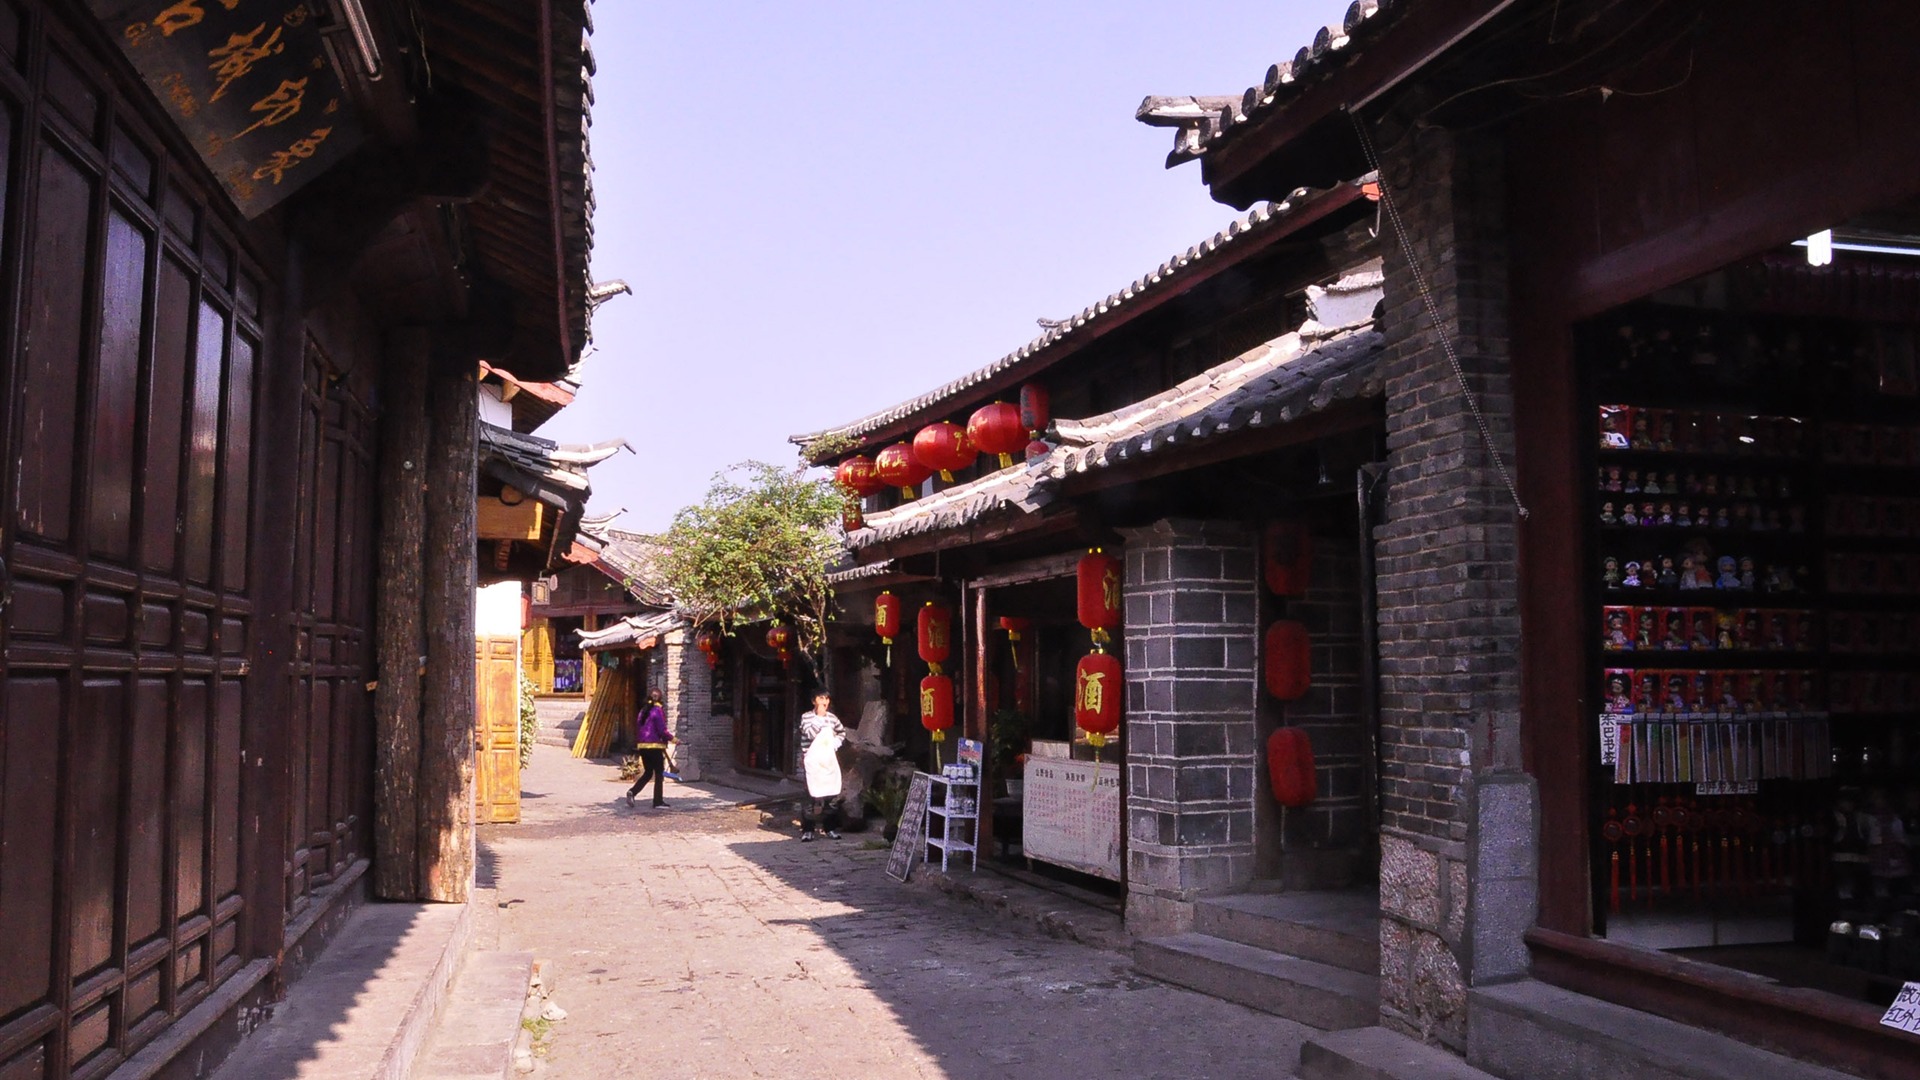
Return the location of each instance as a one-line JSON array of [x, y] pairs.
[[1501, 913], [1505, 838], [1150, 914], [1409, 882]]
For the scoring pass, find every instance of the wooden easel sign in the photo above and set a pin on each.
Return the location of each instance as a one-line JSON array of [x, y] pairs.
[[909, 840]]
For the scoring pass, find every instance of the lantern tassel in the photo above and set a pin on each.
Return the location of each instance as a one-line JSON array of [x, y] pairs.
[[906, 493], [946, 476], [1006, 461]]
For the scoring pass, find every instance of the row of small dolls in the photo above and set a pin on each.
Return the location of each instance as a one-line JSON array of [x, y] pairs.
[[1693, 570], [1866, 573], [1671, 692], [1681, 513], [1631, 427], [1643, 751], [1713, 485], [1701, 629], [1871, 515]]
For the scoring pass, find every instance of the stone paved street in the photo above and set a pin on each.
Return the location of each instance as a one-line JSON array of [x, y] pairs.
[[698, 942]]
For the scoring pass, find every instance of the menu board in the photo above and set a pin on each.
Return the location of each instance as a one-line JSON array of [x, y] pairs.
[[910, 839], [1071, 815]]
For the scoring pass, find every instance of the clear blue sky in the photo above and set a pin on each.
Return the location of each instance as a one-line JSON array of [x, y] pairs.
[[825, 208]]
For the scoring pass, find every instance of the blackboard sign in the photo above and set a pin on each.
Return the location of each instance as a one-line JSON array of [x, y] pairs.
[[911, 838]]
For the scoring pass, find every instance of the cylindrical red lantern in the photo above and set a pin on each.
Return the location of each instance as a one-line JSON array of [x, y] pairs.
[[935, 628], [886, 617], [1036, 408], [1098, 687], [1038, 449], [896, 466], [1290, 767], [936, 705], [944, 447], [996, 429], [857, 474], [708, 643], [1288, 669], [1287, 555], [779, 639], [1098, 577]]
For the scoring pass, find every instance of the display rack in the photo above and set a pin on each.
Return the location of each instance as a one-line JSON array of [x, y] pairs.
[[958, 801]]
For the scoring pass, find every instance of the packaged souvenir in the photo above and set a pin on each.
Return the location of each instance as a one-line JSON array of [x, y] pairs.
[[1840, 631], [1617, 629], [1640, 430], [1866, 633], [1751, 635], [1726, 631], [1618, 690], [1777, 631], [1673, 628], [1647, 690], [1700, 628], [1803, 637], [1645, 632], [1616, 422]]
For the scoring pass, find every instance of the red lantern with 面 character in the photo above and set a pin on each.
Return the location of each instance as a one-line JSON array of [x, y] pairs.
[[1098, 578], [944, 447], [935, 629], [857, 474], [1036, 409], [1290, 767], [1288, 671], [1287, 553], [936, 705], [897, 467], [996, 429], [1098, 689]]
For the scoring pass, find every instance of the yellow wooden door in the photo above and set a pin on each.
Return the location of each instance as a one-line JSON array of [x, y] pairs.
[[497, 727]]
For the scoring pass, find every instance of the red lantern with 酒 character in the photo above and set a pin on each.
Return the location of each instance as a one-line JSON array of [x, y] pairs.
[[1288, 671], [944, 447], [1098, 577], [886, 617], [936, 635], [936, 705], [857, 475], [708, 643], [1036, 409], [1290, 767], [996, 429], [1287, 552], [779, 639], [1098, 686], [897, 467]]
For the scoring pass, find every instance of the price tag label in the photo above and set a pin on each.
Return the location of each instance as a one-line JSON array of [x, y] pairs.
[[1904, 1013]]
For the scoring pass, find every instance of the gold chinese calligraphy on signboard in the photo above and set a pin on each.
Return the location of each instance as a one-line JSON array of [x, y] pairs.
[[248, 81]]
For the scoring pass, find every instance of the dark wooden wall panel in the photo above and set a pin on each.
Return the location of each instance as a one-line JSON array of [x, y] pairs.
[[50, 356], [34, 706], [116, 384]]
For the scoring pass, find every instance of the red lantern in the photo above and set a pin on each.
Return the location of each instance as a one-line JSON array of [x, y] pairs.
[[995, 429], [1015, 626], [852, 517], [936, 635], [936, 705], [857, 475], [1036, 409], [896, 466], [1290, 767], [1098, 686], [886, 617], [1038, 449], [1099, 582], [779, 638], [944, 446], [1287, 552], [1288, 670], [708, 643]]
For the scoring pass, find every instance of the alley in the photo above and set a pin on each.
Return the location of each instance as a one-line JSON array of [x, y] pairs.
[[698, 942]]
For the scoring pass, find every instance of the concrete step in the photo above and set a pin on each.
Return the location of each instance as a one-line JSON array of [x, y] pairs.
[[1374, 1053], [474, 1036], [1304, 990], [1538, 1032], [1339, 928]]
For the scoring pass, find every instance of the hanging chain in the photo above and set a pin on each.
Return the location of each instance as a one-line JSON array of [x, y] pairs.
[[1433, 313]]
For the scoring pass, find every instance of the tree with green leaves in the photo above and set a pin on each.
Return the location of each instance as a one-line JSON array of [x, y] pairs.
[[758, 547]]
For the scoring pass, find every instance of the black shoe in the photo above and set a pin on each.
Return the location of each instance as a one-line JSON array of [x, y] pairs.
[[629, 798]]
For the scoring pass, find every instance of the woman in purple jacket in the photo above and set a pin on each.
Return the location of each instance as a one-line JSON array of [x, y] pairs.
[[652, 736]]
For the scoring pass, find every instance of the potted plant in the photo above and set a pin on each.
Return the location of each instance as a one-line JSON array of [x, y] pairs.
[[1008, 737], [887, 796]]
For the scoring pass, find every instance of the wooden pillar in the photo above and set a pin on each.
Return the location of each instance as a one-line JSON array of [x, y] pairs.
[[447, 687], [400, 630]]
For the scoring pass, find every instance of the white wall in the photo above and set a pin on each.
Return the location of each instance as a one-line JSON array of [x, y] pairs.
[[493, 410], [497, 610]]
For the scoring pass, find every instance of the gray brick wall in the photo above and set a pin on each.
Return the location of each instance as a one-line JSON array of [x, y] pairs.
[[1190, 649], [1448, 605], [706, 741]]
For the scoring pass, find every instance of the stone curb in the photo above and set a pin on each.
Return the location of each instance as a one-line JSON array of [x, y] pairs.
[[1053, 914]]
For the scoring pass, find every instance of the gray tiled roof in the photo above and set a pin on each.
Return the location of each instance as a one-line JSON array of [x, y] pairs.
[[632, 559], [1282, 380], [633, 632]]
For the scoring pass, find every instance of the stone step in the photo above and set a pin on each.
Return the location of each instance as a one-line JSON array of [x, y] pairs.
[[1535, 1031], [1374, 1053], [474, 1036], [1310, 992], [1340, 928]]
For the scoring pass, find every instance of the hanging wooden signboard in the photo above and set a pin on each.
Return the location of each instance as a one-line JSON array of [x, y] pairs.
[[910, 840], [252, 85]]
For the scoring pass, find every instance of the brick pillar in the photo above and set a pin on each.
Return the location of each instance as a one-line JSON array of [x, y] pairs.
[[1190, 641], [1451, 788], [704, 748]]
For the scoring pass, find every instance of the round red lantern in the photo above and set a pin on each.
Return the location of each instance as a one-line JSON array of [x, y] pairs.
[[1288, 670], [1098, 577], [1098, 686], [996, 429], [1036, 408], [708, 643], [935, 629], [944, 447], [852, 518], [936, 705], [780, 639], [1290, 767], [1287, 555], [897, 467], [857, 475], [1038, 449]]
